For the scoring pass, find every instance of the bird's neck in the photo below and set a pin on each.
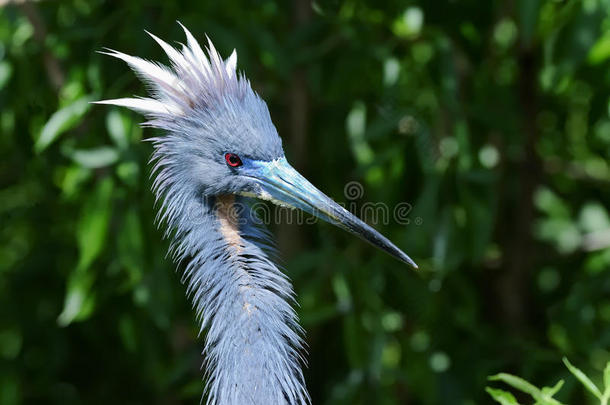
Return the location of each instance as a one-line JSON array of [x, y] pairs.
[[252, 343]]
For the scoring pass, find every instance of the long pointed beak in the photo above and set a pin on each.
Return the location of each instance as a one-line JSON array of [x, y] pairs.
[[283, 185]]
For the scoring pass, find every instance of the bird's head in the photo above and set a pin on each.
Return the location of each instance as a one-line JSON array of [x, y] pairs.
[[220, 139]]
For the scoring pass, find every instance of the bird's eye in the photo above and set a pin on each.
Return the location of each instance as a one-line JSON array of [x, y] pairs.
[[233, 160]]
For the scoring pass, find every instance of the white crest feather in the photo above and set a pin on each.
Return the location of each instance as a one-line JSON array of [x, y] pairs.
[[231, 63], [142, 105], [193, 81]]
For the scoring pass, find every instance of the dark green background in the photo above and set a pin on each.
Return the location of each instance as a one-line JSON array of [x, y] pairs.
[[491, 118]]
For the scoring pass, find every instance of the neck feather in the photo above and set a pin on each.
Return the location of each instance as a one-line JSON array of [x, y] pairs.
[[253, 341]]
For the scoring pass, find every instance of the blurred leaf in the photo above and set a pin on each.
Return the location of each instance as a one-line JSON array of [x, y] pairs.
[[410, 23], [130, 246], [582, 377], [9, 389], [118, 128], [6, 70], [600, 52], [505, 33], [127, 330], [391, 71], [518, 383], [61, 121], [391, 355], [128, 171], [355, 125], [74, 178], [79, 301], [95, 158], [10, 343], [93, 224], [593, 217], [562, 232], [23, 32], [607, 381], [91, 234], [353, 341], [550, 203]]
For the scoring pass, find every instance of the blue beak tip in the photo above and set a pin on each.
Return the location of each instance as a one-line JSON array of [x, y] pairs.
[[410, 262]]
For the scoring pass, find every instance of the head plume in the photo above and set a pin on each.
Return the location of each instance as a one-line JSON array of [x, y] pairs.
[[194, 82]]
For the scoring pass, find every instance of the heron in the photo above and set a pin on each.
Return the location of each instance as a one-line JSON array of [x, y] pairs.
[[217, 152]]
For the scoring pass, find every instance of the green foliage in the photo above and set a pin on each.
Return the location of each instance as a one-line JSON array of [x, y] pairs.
[[544, 395], [487, 120]]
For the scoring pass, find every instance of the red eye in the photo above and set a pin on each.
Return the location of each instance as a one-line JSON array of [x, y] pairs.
[[233, 160]]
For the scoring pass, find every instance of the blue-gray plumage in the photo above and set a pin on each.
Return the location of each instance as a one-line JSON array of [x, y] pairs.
[[220, 149]]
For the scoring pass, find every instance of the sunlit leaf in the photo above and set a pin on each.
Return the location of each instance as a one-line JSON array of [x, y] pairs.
[[549, 392], [518, 383], [410, 23], [600, 51], [61, 121], [95, 158], [79, 301], [501, 396], [582, 377]]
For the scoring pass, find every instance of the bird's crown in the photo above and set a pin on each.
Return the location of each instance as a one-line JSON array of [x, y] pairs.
[[202, 98]]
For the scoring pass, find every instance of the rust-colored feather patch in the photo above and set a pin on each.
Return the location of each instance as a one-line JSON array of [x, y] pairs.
[[228, 217]]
